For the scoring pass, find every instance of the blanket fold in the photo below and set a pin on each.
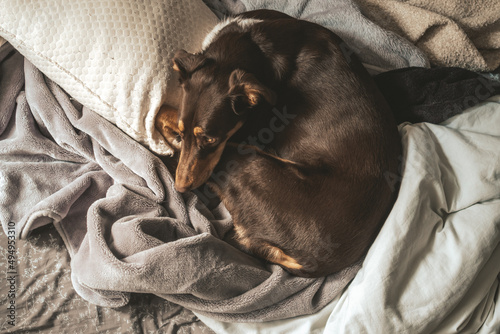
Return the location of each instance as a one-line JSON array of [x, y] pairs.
[[434, 267], [456, 33], [125, 226]]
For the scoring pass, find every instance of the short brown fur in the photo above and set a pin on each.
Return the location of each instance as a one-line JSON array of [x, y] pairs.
[[313, 198]]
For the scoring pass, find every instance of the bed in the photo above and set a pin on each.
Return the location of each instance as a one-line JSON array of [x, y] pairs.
[[97, 240]]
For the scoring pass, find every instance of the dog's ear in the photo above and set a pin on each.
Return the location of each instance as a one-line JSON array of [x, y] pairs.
[[186, 63], [246, 91]]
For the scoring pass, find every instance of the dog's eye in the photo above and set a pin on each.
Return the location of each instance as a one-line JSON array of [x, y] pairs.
[[208, 140]]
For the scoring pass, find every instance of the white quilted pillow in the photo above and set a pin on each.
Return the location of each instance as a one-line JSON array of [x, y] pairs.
[[113, 56]]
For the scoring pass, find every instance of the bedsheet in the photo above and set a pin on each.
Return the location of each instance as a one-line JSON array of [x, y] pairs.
[[434, 267]]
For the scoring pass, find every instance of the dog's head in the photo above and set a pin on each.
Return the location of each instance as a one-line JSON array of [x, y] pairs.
[[216, 101]]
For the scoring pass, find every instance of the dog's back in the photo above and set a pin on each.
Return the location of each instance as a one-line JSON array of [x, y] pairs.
[[317, 79]]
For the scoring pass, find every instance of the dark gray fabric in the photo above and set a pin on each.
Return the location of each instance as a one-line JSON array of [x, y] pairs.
[[127, 229], [433, 95]]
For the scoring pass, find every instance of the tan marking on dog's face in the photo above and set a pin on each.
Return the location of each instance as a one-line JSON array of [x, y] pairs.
[[180, 125], [198, 131], [208, 164], [192, 171]]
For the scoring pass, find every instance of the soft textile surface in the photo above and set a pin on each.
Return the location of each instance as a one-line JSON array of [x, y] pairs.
[[434, 95], [46, 302], [373, 45], [113, 56], [434, 267], [458, 33], [126, 227]]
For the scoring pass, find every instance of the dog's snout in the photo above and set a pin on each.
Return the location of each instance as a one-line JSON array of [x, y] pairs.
[[182, 188], [183, 183]]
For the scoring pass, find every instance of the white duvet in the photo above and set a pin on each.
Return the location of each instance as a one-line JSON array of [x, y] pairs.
[[434, 267]]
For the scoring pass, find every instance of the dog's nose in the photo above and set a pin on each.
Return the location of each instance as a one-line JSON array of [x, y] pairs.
[[182, 188], [183, 180], [183, 183]]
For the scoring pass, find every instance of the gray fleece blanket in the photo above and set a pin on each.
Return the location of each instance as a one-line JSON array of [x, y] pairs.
[[125, 226], [374, 45]]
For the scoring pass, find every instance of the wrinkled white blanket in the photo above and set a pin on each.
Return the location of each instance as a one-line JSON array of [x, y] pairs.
[[434, 268]]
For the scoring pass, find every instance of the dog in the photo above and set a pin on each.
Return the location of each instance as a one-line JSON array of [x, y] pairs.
[[289, 129]]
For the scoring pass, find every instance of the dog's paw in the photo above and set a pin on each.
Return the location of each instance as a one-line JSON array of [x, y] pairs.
[[166, 124]]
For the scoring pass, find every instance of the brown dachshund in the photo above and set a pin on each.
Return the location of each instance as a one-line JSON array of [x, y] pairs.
[[287, 127]]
